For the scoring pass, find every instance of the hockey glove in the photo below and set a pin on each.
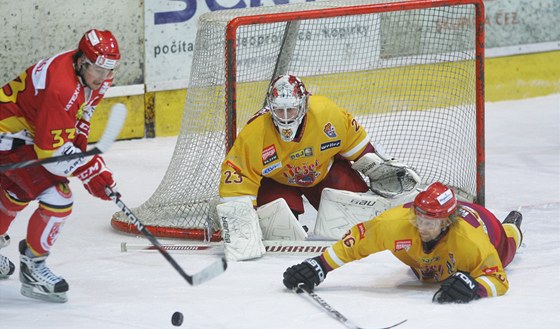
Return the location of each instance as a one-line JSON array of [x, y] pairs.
[[309, 273], [96, 176], [82, 133], [459, 288]]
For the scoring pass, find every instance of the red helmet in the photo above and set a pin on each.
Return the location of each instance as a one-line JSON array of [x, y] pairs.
[[437, 201], [101, 48]]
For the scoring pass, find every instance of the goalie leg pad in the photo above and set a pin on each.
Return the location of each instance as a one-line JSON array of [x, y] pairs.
[[279, 223], [240, 230], [340, 210]]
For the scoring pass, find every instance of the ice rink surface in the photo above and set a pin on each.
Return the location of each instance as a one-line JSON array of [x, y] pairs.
[[112, 289]]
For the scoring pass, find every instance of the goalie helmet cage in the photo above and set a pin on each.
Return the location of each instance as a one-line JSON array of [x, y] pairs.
[[411, 73]]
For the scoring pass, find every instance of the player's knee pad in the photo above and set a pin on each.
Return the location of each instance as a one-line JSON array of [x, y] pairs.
[[58, 195], [45, 225], [55, 206], [278, 222]]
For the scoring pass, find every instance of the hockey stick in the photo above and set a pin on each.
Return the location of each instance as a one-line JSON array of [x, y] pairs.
[[331, 310], [298, 248], [112, 130], [209, 272]]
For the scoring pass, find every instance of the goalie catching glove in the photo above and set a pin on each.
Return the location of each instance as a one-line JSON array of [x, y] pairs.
[[309, 273], [96, 177], [387, 177], [458, 288]]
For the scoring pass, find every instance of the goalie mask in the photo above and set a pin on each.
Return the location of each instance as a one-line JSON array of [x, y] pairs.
[[288, 101]]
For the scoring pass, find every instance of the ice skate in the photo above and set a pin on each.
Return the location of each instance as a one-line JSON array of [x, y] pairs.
[[37, 279], [514, 217], [6, 266]]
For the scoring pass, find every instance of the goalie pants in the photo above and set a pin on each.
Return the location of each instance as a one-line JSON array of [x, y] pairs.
[[341, 176]]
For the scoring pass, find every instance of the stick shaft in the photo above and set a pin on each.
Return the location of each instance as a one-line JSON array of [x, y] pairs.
[[206, 274]]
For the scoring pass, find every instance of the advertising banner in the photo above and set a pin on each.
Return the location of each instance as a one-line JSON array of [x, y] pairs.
[[512, 27]]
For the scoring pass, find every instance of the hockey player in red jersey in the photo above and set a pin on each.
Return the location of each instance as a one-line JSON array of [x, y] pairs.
[[460, 244], [297, 145], [46, 112]]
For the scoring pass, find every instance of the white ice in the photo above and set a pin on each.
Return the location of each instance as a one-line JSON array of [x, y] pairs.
[[112, 289]]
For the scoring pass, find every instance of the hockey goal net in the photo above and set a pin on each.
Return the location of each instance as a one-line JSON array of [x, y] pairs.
[[411, 72]]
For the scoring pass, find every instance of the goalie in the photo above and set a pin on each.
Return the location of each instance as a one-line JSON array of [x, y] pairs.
[[298, 145]]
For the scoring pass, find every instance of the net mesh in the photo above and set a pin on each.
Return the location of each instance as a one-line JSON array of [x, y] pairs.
[[408, 77]]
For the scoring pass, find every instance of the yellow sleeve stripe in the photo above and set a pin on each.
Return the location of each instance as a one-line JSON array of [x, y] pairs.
[[489, 285], [354, 151]]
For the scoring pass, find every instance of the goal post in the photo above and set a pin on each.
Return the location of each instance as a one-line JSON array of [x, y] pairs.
[[411, 72]]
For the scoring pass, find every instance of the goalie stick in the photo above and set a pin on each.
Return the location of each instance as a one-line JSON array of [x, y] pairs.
[[299, 248], [112, 130], [211, 271], [300, 290]]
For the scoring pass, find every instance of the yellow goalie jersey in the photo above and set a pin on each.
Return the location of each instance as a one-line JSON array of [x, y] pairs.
[[464, 248], [326, 131]]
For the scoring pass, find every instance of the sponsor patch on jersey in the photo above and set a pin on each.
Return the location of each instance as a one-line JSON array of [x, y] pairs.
[[330, 145], [303, 174], [362, 229], [490, 270], [74, 97], [403, 244], [329, 130], [306, 152], [271, 168], [269, 154]]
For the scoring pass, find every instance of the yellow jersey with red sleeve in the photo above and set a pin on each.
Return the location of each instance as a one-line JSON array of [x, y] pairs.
[[45, 102], [464, 248], [326, 131]]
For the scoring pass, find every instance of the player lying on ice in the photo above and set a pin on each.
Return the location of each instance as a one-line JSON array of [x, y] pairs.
[[46, 112], [457, 243], [300, 145]]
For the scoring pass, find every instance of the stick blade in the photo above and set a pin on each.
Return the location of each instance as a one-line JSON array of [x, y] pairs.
[[210, 272], [113, 128]]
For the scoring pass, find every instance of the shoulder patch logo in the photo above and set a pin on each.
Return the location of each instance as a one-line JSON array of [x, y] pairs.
[[329, 130]]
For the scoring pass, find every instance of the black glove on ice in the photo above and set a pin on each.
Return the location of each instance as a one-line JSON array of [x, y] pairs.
[[458, 288], [309, 273]]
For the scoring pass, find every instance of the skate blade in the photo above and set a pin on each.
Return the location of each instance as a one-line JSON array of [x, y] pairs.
[[31, 292]]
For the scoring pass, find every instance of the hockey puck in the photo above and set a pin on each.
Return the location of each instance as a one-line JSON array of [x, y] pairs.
[[177, 319]]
